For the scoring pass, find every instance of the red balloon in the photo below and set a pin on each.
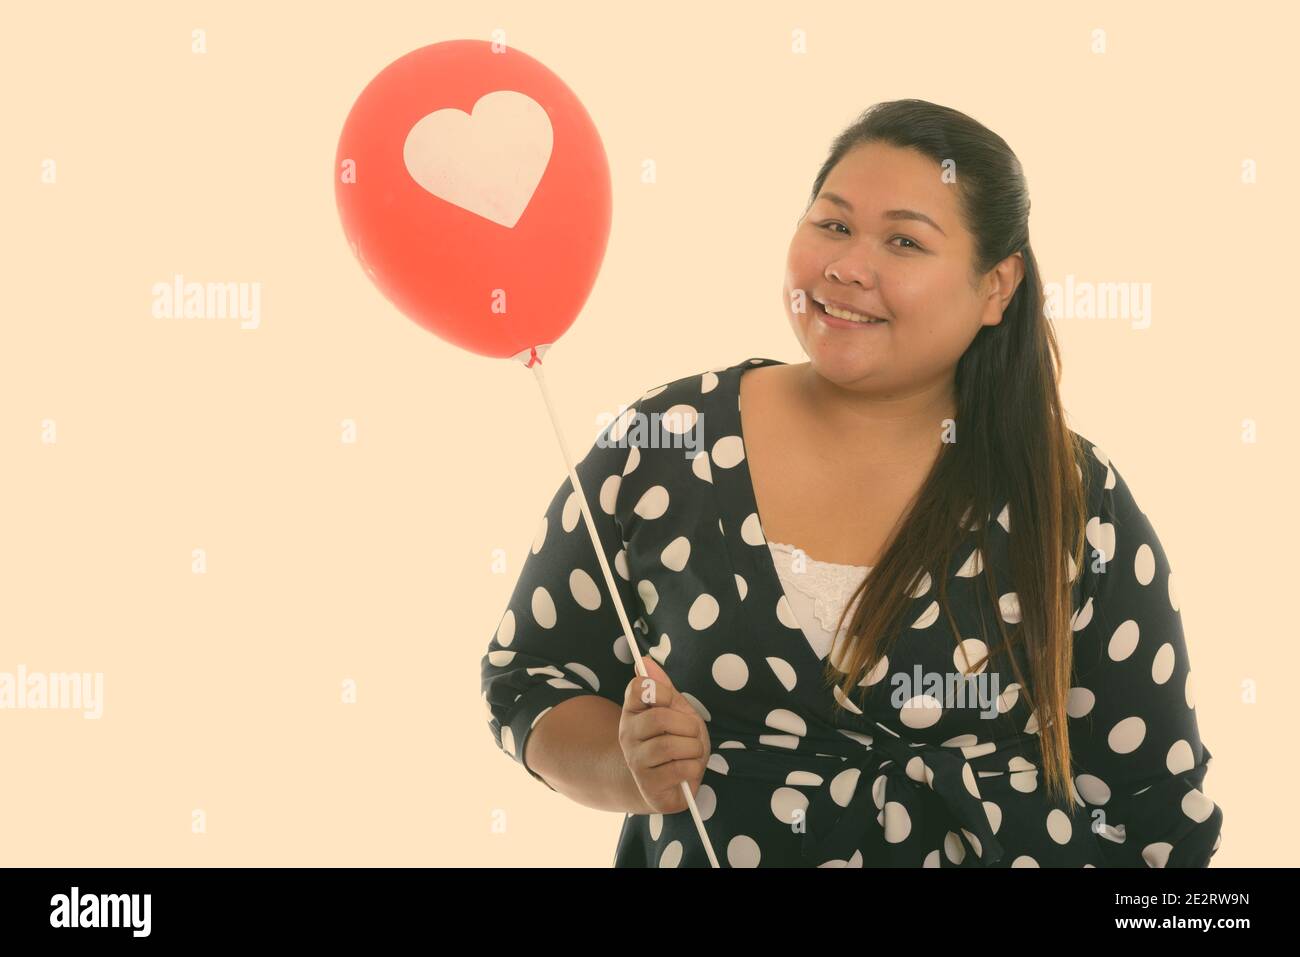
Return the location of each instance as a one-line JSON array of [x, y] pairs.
[[475, 192]]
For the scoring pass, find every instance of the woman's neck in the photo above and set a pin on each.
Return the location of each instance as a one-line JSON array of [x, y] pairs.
[[893, 429]]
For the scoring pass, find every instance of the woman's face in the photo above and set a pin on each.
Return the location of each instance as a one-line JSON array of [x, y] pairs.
[[865, 243]]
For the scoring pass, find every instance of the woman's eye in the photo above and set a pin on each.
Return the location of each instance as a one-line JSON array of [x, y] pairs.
[[912, 241], [832, 223]]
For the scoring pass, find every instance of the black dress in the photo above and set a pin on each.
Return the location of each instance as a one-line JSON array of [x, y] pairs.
[[793, 781]]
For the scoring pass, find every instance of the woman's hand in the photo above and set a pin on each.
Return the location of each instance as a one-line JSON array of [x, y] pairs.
[[664, 740]]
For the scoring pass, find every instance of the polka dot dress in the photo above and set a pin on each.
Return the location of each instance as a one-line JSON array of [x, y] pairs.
[[793, 781]]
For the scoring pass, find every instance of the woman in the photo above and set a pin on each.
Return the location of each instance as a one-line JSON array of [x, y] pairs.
[[951, 639]]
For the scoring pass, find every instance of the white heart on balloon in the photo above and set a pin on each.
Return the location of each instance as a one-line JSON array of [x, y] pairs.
[[488, 161]]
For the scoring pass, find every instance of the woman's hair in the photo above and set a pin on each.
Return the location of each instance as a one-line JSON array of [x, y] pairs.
[[1013, 446]]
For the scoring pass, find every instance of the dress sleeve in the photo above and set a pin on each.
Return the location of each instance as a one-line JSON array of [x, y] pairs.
[[1134, 739], [560, 635]]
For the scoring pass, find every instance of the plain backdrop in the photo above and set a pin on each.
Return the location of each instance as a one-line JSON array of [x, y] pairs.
[[1155, 139]]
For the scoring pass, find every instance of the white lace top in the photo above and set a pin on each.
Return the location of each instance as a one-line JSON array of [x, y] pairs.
[[817, 591]]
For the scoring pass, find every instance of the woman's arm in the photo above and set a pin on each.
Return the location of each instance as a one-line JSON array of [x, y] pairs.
[[575, 750], [559, 662], [1139, 759]]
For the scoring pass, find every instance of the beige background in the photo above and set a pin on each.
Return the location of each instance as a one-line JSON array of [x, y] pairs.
[[372, 561]]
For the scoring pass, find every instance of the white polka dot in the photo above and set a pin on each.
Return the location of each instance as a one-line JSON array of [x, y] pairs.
[[751, 531], [1125, 737], [783, 671], [680, 419], [672, 855], [1081, 618], [789, 805], [677, 553], [728, 452], [499, 659], [967, 657], [897, 823], [845, 702], [1059, 827], [973, 565], [927, 617], [1101, 536], [742, 851], [1144, 565], [633, 460], [700, 466], [1009, 607], [1026, 782], [653, 503], [742, 588], [785, 614], [1092, 789], [540, 538], [649, 595], [620, 565], [506, 630], [1163, 664], [543, 607], [585, 673], [1024, 860], [703, 613], [708, 382], [698, 705], [1197, 806], [571, 513], [1157, 855], [584, 590], [730, 672], [920, 711], [844, 785], [954, 848], [706, 801], [1123, 641], [609, 493], [1180, 757], [1173, 595], [784, 720], [1079, 702]]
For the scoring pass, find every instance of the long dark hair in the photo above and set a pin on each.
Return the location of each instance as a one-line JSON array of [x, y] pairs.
[[1013, 446]]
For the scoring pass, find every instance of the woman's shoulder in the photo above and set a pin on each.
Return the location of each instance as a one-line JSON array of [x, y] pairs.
[[697, 388], [680, 414]]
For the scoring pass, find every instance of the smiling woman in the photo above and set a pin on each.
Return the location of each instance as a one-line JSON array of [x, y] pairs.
[[926, 457]]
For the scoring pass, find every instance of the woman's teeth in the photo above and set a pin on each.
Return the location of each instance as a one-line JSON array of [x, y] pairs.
[[851, 316]]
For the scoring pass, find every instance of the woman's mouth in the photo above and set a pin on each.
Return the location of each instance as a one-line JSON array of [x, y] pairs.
[[840, 319]]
